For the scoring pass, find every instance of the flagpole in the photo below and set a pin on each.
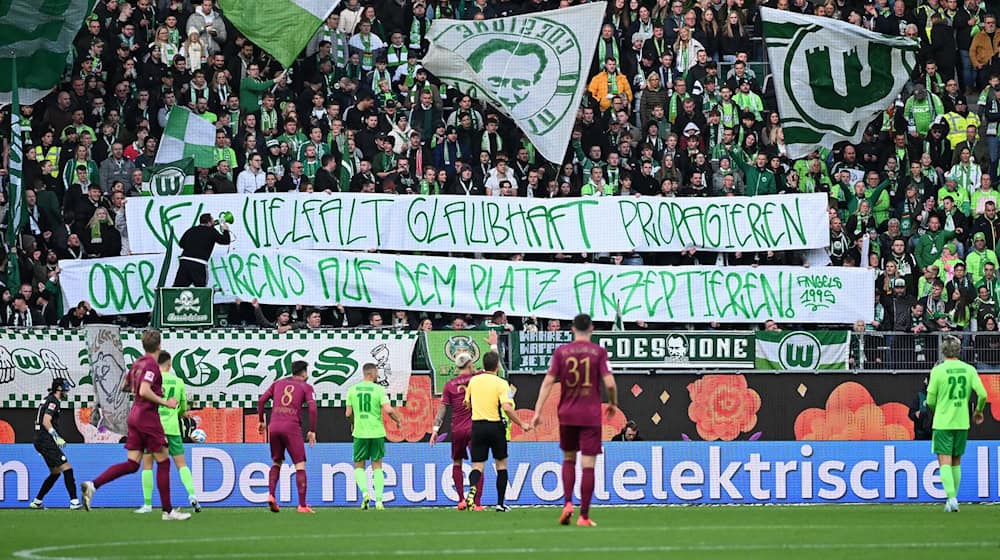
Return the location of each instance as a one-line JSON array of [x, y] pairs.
[[14, 189]]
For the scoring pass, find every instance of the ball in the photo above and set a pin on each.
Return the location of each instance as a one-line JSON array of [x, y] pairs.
[[199, 436]]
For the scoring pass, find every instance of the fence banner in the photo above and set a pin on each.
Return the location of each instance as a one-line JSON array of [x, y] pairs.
[[486, 224], [803, 351], [31, 358], [674, 294], [107, 360], [231, 368], [686, 350], [627, 473], [442, 347]]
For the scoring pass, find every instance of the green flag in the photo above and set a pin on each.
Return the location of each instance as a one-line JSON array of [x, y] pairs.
[[187, 136], [831, 78], [802, 351], [39, 33], [281, 27], [15, 194], [169, 179]]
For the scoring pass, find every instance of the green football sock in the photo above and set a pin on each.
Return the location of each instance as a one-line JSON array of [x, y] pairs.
[[187, 480], [361, 477], [147, 487], [956, 473], [948, 481], [379, 479]]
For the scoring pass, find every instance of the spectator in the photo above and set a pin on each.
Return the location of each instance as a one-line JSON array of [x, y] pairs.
[[629, 433]]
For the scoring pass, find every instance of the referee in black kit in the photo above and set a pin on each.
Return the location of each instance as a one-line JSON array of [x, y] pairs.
[[198, 244], [49, 445]]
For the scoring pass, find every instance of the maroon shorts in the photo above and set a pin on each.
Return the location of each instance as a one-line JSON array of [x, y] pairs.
[[585, 439], [287, 441], [145, 437], [460, 445]]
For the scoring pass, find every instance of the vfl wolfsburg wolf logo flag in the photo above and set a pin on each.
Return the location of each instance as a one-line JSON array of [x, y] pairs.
[[802, 351], [169, 179], [831, 78], [532, 68]]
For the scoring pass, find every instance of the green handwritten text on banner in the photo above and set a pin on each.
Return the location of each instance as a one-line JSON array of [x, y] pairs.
[[494, 225], [438, 284]]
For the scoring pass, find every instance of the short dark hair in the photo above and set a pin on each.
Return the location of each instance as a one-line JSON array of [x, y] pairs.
[[582, 322], [491, 361], [299, 367], [163, 358]]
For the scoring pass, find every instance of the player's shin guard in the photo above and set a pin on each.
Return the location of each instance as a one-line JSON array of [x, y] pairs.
[[163, 484], [956, 473], [458, 478], [586, 491], [361, 477], [501, 486], [186, 479], [47, 485], [115, 471], [301, 484], [378, 480], [147, 487], [568, 480], [69, 479], [272, 479], [948, 481]]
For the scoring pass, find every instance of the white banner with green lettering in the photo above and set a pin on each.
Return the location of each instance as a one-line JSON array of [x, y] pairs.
[[486, 224], [675, 294], [802, 351], [231, 368], [31, 358]]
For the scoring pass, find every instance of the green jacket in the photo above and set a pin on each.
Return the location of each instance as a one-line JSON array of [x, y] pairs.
[[757, 181], [251, 91], [929, 247], [975, 261]]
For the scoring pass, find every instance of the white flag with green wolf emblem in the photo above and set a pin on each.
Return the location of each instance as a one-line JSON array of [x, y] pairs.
[[169, 179], [831, 78], [532, 68]]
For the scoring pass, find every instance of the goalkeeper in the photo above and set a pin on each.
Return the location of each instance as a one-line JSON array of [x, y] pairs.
[[952, 383], [49, 444], [173, 388]]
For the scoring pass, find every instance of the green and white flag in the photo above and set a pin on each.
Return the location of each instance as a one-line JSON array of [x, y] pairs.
[[15, 192], [532, 68], [802, 351], [187, 135], [169, 179], [280, 27], [831, 78], [40, 35]]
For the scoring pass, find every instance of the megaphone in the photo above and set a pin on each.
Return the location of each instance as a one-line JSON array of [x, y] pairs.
[[225, 216]]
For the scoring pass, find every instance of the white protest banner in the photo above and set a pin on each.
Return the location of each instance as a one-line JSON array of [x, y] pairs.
[[232, 368], [486, 224], [107, 361], [31, 358], [679, 294]]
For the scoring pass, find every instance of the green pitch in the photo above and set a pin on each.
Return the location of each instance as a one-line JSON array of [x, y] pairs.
[[852, 532]]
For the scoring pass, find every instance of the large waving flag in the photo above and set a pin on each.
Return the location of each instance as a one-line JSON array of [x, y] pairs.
[[532, 68], [15, 194], [831, 78], [187, 135], [281, 27], [40, 35]]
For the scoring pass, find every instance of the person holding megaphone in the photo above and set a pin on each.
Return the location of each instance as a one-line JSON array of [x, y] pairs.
[[198, 244]]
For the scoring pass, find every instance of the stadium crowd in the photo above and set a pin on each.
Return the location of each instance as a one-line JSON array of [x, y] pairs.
[[679, 104]]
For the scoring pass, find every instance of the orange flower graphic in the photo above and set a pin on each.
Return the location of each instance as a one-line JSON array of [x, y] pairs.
[[852, 415], [6, 432], [723, 406], [418, 413], [992, 383]]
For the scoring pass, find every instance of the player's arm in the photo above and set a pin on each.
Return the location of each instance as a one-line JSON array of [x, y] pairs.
[[311, 403], [980, 389], [932, 392], [394, 414], [146, 392], [349, 410], [47, 424], [182, 404], [612, 388], [507, 404], [543, 395], [268, 393], [438, 421]]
